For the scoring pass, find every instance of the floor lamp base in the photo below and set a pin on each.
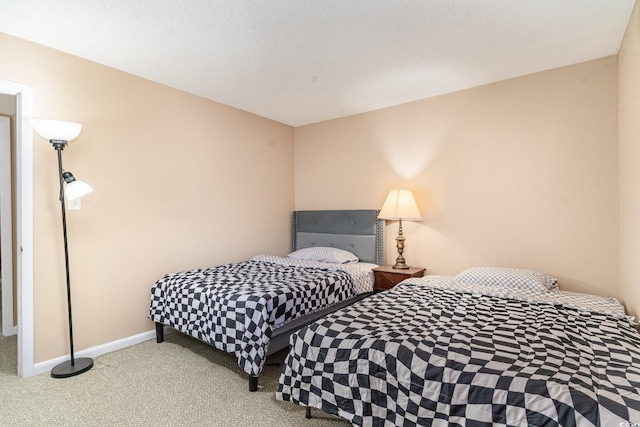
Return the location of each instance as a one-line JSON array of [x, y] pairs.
[[65, 369]]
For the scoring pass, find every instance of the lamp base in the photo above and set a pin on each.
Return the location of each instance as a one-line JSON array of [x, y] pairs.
[[66, 369], [400, 262], [399, 266]]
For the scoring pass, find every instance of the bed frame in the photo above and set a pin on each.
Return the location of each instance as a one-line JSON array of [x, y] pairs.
[[357, 231]]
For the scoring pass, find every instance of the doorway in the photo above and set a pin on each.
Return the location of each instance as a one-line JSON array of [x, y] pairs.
[[23, 225]]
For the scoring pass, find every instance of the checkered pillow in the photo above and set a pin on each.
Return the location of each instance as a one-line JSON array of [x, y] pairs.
[[324, 254], [509, 277]]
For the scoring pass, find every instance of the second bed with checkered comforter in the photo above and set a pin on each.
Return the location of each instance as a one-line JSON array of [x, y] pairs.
[[236, 307], [435, 351]]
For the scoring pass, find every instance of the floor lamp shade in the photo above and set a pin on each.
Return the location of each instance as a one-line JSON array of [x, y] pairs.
[[59, 133], [400, 205], [75, 188], [56, 130]]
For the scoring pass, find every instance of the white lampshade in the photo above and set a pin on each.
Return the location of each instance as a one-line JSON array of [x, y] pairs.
[[400, 204], [76, 189], [56, 129]]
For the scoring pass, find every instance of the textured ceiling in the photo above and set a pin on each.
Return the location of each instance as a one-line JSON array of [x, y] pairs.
[[304, 61]]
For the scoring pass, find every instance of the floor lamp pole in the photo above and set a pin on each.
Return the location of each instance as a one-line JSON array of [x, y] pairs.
[[73, 366]]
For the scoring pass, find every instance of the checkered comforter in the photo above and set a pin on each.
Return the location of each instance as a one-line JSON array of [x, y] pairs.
[[235, 307], [426, 354]]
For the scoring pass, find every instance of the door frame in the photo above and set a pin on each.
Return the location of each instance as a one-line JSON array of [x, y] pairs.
[[23, 222]]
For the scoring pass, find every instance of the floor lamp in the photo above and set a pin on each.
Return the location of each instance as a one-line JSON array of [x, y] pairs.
[[400, 205], [59, 133]]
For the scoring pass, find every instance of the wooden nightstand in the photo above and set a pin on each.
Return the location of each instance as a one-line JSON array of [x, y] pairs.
[[386, 277]]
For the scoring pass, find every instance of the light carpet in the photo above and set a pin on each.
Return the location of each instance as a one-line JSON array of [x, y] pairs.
[[180, 382]]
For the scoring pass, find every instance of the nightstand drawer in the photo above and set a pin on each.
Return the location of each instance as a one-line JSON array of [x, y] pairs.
[[386, 281], [386, 277]]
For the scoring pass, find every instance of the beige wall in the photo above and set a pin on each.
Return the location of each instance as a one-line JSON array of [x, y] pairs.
[[7, 105], [629, 129], [520, 173], [180, 182]]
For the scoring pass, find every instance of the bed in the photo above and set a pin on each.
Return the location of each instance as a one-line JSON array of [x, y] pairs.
[[489, 346], [251, 307]]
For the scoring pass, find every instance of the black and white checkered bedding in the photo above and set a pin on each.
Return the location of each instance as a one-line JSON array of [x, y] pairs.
[[235, 307], [425, 354]]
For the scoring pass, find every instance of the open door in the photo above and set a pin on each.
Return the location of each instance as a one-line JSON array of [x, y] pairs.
[[6, 229]]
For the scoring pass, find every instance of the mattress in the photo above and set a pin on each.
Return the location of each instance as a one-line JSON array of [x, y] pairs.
[[435, 352]]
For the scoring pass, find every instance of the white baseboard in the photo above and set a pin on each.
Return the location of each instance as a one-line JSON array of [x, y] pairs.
[[47, 365]]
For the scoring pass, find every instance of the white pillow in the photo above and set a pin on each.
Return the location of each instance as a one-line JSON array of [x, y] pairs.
[[512, 278], [324, 254]]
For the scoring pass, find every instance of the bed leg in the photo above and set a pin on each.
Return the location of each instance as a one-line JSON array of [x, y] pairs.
[[159, 332], [253, 383], [307, 415]]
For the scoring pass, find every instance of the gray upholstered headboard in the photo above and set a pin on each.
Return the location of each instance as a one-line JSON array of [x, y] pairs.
[[356, 231]]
